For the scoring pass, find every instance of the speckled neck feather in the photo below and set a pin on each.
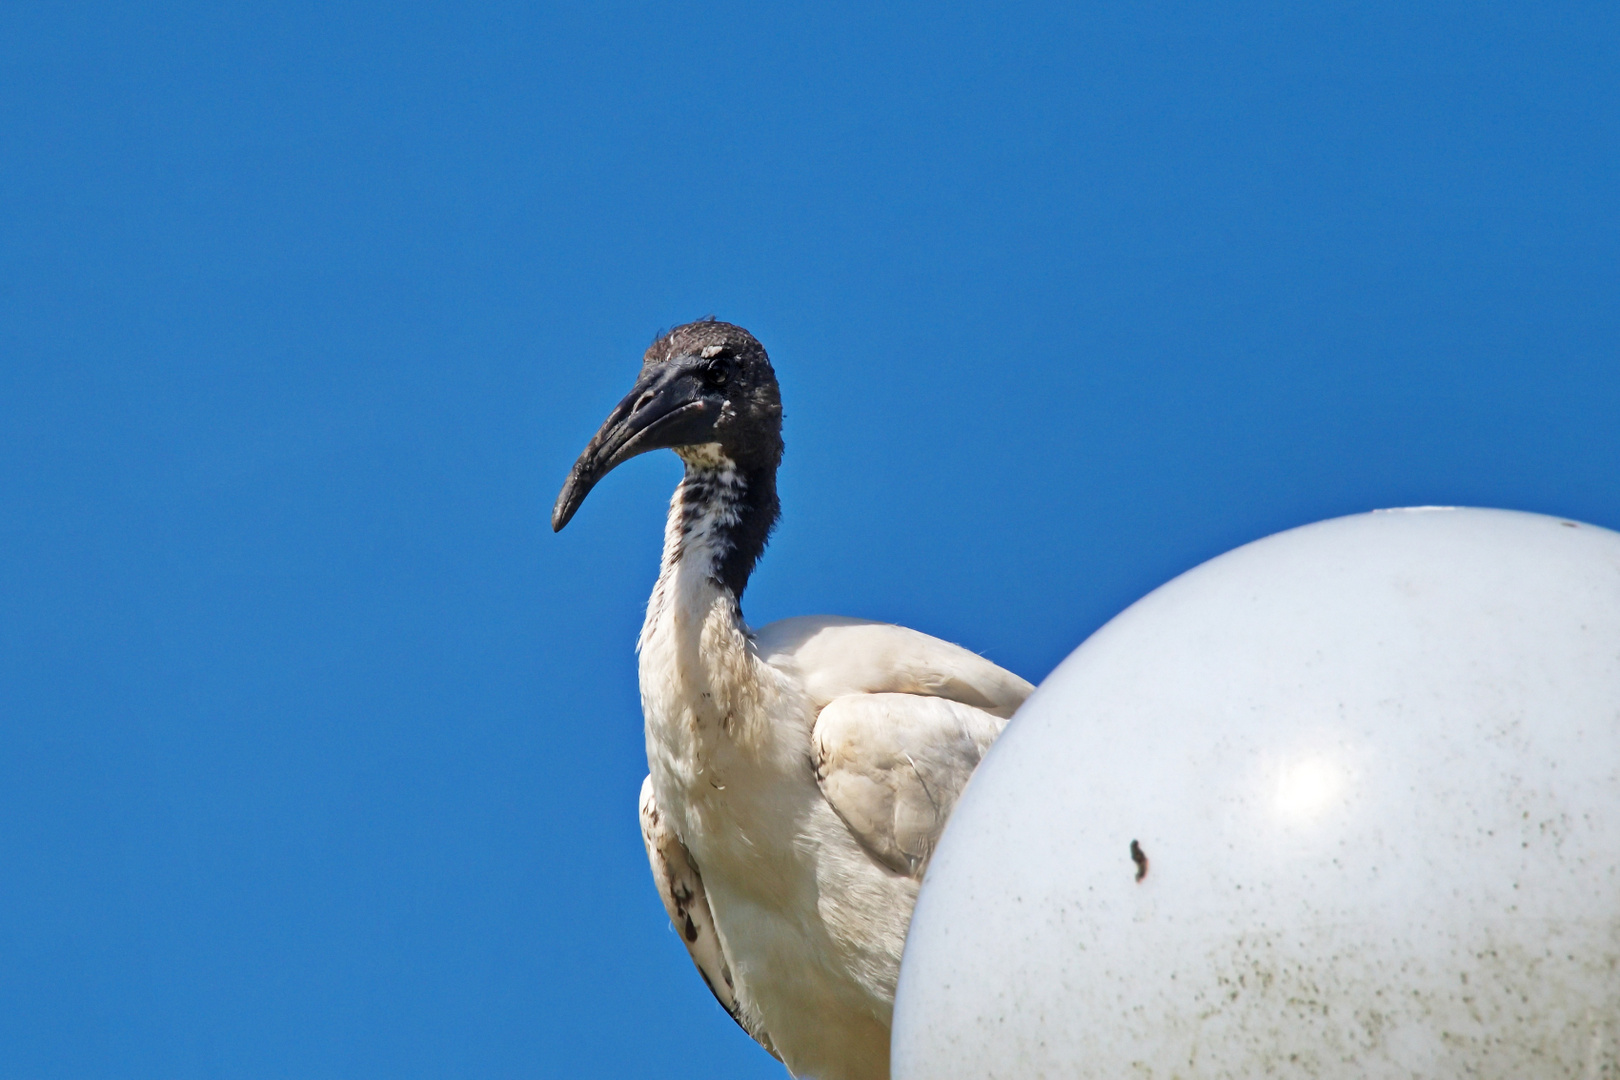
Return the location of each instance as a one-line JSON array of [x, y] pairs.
[[721, 517]]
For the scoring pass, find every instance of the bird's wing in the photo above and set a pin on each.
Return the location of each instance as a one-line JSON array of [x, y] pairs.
[[903, 719], [834, 657], [893, 765], [681, 889]]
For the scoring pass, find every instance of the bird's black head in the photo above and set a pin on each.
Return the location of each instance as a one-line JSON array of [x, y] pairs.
[[706, 390]]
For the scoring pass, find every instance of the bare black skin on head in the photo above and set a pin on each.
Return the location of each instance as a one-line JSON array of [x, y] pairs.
[[705, 382]]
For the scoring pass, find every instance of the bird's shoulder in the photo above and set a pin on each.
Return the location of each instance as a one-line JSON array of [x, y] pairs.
[[833, 657]]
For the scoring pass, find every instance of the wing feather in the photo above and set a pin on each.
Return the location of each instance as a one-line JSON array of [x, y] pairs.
[[834, 657], [902, 721], [680, 887], [893, 766]]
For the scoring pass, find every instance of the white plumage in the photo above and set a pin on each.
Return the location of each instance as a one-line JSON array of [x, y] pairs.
[[809, 770], [800, 775]]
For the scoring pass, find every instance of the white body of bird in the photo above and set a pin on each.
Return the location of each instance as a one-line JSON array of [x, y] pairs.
[[800, 776], [811, 921]]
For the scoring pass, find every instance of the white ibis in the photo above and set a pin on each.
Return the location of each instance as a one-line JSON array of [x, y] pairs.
[[801, 773]]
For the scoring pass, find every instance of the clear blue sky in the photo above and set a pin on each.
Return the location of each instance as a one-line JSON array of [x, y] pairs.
[[319, 753]]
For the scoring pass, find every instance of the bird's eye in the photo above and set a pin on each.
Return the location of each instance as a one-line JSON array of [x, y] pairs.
[[717, 373]]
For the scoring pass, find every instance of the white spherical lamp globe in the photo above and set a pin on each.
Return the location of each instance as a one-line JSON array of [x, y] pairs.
[[1341, 803]]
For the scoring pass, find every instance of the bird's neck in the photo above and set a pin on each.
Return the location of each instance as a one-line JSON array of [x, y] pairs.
[[720, 519], [696, 668]]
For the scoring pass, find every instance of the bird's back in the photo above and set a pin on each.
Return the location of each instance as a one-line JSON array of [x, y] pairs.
[[833, 656]]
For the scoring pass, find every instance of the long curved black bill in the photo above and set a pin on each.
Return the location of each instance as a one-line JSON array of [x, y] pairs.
[[665, 408]]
